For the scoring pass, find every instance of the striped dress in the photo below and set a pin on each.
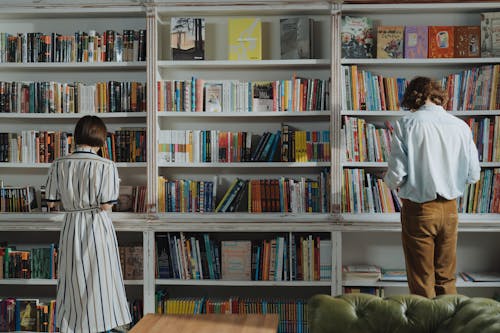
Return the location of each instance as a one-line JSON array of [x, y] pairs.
[[90, 291]]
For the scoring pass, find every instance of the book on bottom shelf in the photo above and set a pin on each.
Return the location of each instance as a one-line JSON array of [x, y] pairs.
[[481, 276]]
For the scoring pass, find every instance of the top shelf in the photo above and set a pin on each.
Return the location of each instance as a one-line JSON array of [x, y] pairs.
[[412, 8], [418, 62], [214, 64]]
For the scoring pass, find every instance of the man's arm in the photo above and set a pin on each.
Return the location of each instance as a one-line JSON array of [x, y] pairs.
[[398, 160]]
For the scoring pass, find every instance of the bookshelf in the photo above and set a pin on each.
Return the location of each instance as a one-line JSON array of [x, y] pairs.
[[39, 230], [380, 232], [355, 238]]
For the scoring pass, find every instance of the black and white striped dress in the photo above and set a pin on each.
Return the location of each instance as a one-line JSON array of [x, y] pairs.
[[90, 291]]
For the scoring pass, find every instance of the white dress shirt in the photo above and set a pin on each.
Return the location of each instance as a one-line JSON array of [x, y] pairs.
[[432, 152]]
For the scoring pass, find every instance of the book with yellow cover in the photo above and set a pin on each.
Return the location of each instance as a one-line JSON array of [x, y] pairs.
[[245, 38]]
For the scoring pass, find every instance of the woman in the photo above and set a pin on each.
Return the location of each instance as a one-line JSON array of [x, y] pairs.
[[90, 291]]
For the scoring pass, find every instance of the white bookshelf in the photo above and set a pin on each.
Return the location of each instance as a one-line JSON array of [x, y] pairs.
[[374, 238]]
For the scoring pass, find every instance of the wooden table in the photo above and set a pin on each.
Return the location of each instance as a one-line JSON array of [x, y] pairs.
[[208, 323]]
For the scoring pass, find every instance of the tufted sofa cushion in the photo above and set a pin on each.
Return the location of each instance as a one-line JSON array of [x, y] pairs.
[[363, 313]]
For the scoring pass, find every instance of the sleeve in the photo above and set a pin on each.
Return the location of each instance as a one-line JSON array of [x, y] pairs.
[[398, 160], [52, 193], [110, 184], [474, 169]]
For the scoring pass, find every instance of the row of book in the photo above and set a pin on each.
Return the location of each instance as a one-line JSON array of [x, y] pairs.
[[475, 88], [360, 39], [34, 263], [483, 196], [27, 315], [91, 46], [131, 199], [35, 315], [186, 195], [73, 97], [293, 313], [486, 134], [33, 146], [281, 258], [364, 142], [286, 145], [187, 38], [363, 192], [199, 95], [366, 91], [132, 262], [20, 199]]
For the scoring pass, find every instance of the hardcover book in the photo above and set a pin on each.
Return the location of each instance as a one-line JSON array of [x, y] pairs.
[[467, 41], [236, 260], [490, 34], [416, 42], [245, 38], [296, 37], [441, 42], [187, 38], [390, 41], [358, 39], [26, 314]]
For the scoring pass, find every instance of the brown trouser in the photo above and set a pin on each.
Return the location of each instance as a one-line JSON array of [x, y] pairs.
[[429, 235]]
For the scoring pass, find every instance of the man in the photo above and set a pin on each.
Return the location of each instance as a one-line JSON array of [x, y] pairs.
[[433, 156]]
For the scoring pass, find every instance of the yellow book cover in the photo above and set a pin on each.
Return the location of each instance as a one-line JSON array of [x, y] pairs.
[[245, 38]]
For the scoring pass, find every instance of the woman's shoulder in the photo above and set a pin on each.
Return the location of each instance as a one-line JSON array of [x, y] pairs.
[[84, 157]]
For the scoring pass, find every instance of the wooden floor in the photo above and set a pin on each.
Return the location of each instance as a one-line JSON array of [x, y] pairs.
[[208, 323]]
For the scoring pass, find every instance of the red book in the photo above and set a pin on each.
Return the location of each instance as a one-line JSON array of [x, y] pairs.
[[441, 41]]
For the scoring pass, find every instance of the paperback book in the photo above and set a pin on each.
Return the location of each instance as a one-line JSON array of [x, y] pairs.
[[187, 38], [245, 38]]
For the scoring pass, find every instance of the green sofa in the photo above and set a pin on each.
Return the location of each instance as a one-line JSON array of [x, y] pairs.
[[363, 313]]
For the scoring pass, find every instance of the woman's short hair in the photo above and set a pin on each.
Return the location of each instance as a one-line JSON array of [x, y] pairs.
[[91, 131], [421, 88]]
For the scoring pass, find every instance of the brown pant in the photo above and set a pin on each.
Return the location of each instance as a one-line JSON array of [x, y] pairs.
[[429, 235]]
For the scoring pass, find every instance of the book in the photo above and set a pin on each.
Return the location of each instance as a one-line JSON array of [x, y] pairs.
[[416, 42], [213, 97], [125, 199], [490, 34], [236, 260], [393, 275], [26, 314], [441, 42], [467, 42], [262, 96], [296, 37], [358, 37], [483, 276], [187, 38], [245, 38], [390, 40]]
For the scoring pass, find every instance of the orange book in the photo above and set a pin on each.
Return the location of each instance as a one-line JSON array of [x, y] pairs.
[[467, 42], [441, 41]]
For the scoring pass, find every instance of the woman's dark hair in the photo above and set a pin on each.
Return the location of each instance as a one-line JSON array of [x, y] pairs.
[[91, 131], [421, 88]]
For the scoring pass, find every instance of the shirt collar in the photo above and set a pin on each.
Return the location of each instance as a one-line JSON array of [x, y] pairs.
[[81, 149]]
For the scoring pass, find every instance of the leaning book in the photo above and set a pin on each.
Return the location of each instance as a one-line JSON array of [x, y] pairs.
[[187, 38], [245, 38]]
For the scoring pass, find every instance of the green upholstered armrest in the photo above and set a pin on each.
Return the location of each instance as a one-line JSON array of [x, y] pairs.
[[363, 313]]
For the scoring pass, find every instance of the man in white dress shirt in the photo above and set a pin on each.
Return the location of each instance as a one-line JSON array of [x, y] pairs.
[[433, 156]]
